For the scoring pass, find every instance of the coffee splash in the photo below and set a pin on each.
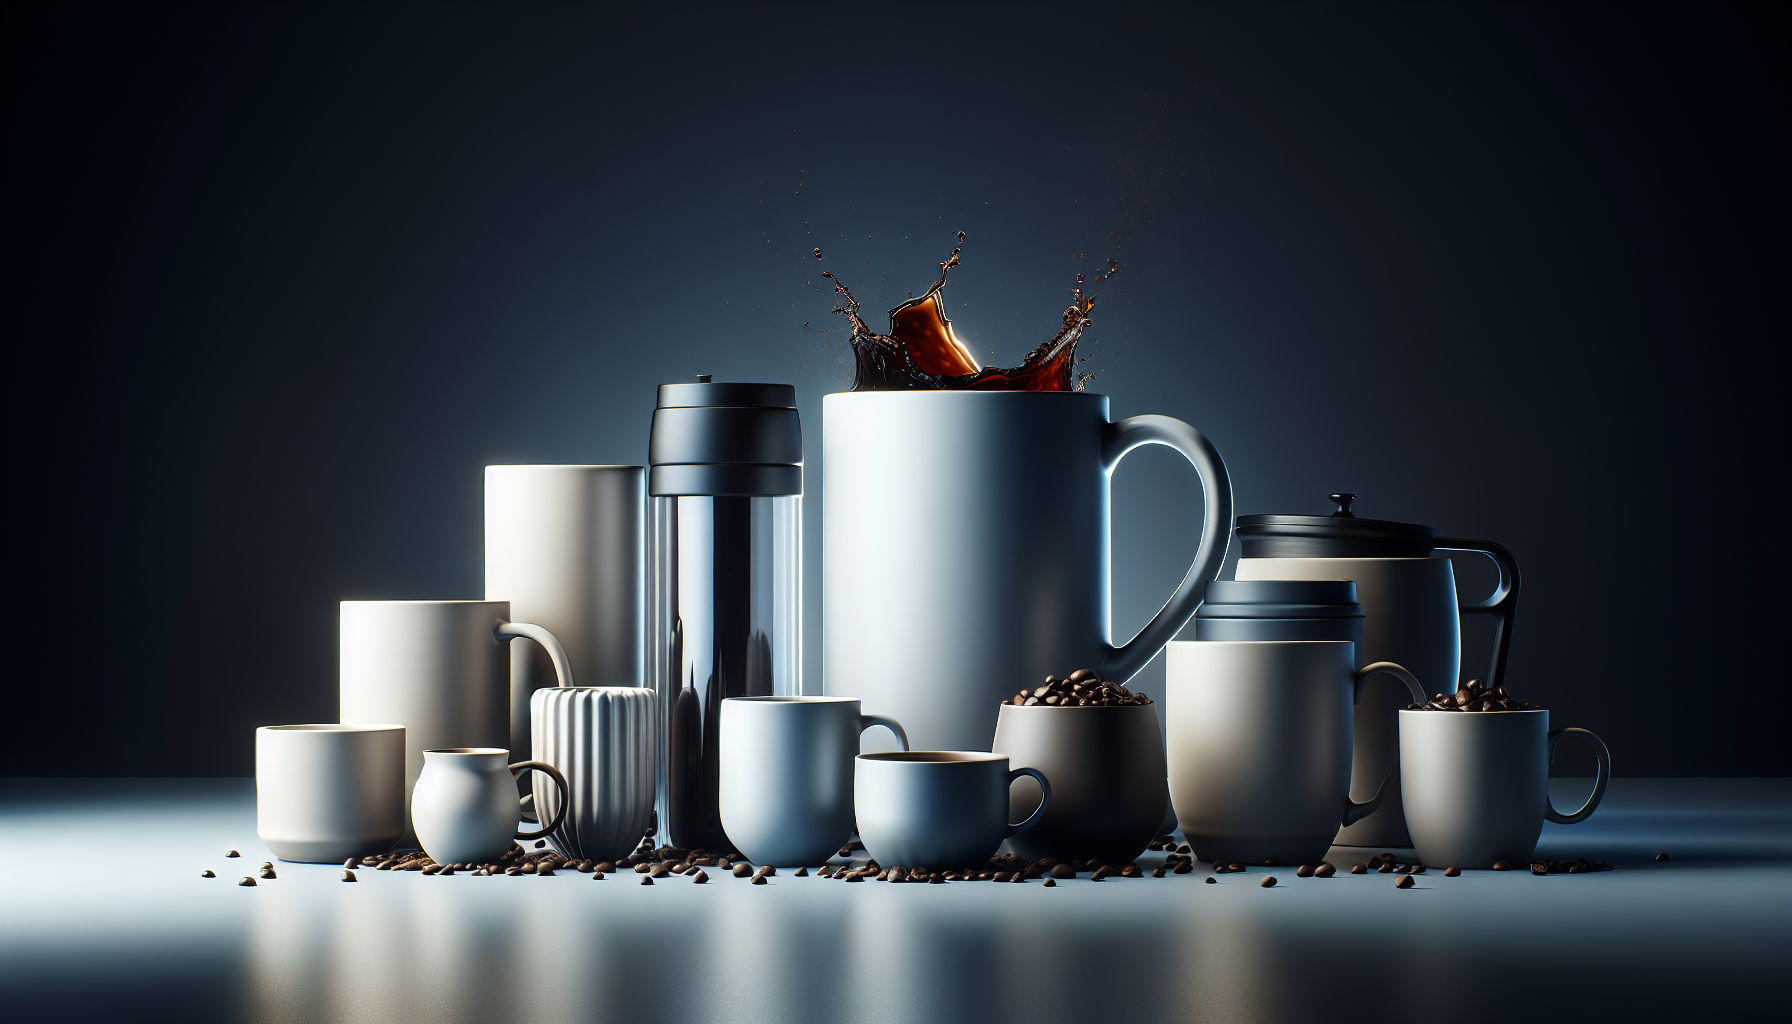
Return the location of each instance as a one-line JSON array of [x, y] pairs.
[[921, 352]]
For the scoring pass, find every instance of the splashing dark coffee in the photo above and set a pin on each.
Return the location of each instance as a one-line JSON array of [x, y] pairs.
[[922, 353]]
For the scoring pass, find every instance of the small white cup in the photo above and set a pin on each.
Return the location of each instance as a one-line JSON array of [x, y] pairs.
[[326, 793]]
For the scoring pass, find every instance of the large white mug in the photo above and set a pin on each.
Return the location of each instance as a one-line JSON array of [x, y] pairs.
[[326, 793], [785, 792], [1475, 784], [438, 668], [564, 545], [965, 549], [1259, 745]]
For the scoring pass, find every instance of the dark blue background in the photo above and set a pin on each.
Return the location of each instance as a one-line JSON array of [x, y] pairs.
[[280, 279]]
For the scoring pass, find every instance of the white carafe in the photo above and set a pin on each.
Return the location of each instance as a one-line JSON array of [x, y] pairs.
[[1411, 617]]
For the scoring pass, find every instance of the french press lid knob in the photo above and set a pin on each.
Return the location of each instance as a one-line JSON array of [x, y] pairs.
[[1343, 501]]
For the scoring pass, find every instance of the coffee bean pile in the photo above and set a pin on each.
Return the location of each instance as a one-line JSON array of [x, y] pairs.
[[1475, 697], [1081, 689]]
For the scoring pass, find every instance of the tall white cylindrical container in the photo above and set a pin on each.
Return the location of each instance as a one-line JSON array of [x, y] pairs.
[[564, 545]]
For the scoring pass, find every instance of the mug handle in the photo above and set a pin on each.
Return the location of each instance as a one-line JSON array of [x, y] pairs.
[[1355, 812], [1605, 773], [565, 798], [867, 721], [1123, 662], [1502, 604], [1038, 812], [506, 631]]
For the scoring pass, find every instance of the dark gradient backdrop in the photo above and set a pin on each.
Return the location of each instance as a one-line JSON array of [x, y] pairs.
[[280, 279]]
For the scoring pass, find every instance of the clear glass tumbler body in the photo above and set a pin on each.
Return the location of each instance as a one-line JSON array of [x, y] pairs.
[[724, 620]]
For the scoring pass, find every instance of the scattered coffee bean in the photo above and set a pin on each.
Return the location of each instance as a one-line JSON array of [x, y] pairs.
[[760, 879], [483, 873], [232, 853], [1304, 871], [802, 872], [606, 867], [1271, 862], [1405, 882], [1063, 871], [1452, 872], [513, 870], [1501, 865], [351, 864], [348, 876], [1184, 868], [267, 863], [699, 878], [1082, 689], [246, 880], [742, 870], [543, 871], [268, 872], [1100, 874], [646, 879], [1663, 856], [1359, 869], [207, 873], [1131, 871], [1324, 870], [1210, 880], [1539, 868], [450, 869], [1387, 867], [1269, 882], [767, 869], [597, 876], [1475, 696], [1049, 883]]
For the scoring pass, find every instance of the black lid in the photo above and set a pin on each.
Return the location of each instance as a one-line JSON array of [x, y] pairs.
[[725, 439], [1339, 535], [1280, 599]]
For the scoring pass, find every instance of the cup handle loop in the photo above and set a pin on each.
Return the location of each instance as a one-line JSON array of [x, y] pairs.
[[1354, 812], [1123, 662], [1038, 812], [511, 630], [1605, 774], [1503, 604], [867, 721], [560, 805], [1398, 672]]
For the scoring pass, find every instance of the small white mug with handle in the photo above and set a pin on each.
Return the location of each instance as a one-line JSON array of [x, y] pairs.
[[465, 807]]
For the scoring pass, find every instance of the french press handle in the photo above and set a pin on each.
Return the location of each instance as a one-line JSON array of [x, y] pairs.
[[1503, 604]]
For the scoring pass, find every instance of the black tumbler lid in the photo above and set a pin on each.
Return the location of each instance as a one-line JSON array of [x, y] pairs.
[[725, 439], [1280, 599], [1339, 535]]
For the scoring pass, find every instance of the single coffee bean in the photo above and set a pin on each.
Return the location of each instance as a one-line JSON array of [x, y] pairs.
[[606, 867], [547, 870], [207, 873], [267, 863], [268, 872], [1387, 867], [246, 880], [1452, 872], [351, 864], [1061, 870], [1324, 870], [1304, 871], [449, 870], [1210, 880], [232, 853], [646, 879], [1405, 882], [1100, 875], [767, 869], [1049, 883], [1539, 868], [348, 876], [1359, 869], [1415, 869], [1270, 862], [1131, 871], [1269, 882], [800, 872], [513, 870], [1501, 865], [1663, 856], [1235, 867]]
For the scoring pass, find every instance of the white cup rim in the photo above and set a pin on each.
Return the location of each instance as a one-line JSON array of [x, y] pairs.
[[791, 699], [328, 727], [469, 600], [934, 756], [470, 751]]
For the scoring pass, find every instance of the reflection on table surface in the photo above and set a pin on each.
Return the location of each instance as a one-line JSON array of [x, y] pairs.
[[103, 916]]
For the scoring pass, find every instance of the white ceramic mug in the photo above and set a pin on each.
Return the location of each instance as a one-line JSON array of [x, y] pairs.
[[564, 545], [1259, 738], [465, 809], [1476, 784], [604, 740], [326, 793], [965, 549], [438, 668], [938, 808], [786, 782]]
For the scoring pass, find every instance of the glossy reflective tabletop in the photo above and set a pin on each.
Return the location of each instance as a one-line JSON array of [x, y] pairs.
[[104, 916]]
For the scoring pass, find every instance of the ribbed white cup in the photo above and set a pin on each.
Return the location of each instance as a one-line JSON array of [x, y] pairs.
[[604, 739]]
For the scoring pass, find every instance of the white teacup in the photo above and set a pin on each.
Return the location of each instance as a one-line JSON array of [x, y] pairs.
[[938, 808], [326, 793], [1476, 784]]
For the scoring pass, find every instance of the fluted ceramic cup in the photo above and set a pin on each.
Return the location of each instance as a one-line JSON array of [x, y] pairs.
[[786, 784], [465, 808], [938, 808], [604, 741], [326, 793], [1476, 783], [1260, 745]]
